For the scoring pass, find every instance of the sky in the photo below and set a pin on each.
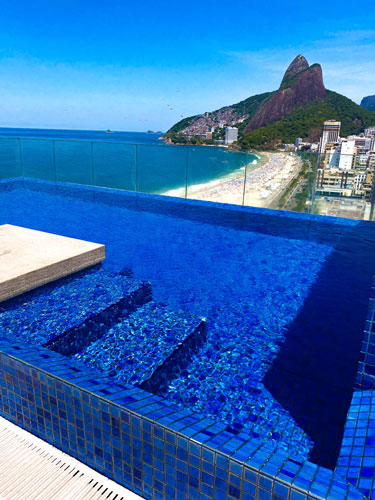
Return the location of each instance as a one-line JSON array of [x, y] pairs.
[[78, 64]]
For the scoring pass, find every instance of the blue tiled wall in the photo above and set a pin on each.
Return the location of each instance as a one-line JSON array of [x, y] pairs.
[[144, 442], [366, 367], [357, 456]]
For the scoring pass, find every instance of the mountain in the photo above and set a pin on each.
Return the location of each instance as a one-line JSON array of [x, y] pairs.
[[368, 102], [298, 87], [298, 64], [297, 109], [307, 122]]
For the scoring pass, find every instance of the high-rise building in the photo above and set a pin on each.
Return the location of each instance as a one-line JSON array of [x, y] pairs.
[[370, 132], [362, 143], [371, 161], [231, 135], [331, 134], [343, 155]]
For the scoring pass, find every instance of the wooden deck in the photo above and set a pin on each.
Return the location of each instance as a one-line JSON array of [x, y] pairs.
[[31, 469]]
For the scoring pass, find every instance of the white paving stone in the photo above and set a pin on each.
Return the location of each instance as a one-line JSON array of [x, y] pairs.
[[31, 469], [30, 258]]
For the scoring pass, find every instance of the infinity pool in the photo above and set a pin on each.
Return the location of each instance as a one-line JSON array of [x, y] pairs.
[[284, 297]]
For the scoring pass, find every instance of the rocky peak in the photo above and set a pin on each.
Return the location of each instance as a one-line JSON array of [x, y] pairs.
[[302, 86], [298, 64]]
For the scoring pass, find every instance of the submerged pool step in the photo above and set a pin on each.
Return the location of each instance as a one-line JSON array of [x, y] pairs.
[[147, 348], [68, 314]]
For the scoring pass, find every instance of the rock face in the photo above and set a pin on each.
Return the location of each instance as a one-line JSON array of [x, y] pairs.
[[368, 102], [298, 64], [301, 84]]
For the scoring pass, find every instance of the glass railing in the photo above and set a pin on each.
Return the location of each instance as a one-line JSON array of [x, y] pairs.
[[337, 185]]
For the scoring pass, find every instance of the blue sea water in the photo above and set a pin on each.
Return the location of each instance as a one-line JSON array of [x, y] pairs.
[[133, 161]]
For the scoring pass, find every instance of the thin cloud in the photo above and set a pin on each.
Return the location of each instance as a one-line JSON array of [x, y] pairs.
[[347, 59]]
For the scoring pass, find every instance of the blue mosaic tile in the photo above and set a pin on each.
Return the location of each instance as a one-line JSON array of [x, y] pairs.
[[63, 305], [144, 342], [356, 462], [226, 324], [96, 442], [366, 367]]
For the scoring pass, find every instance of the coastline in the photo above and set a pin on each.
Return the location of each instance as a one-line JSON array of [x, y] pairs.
[[209, 190], [265, 182]]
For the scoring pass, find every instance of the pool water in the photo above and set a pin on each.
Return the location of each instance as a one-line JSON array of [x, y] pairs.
[[252, 281]]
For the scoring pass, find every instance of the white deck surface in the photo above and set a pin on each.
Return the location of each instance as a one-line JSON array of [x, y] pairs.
[[31, 469], [30, 258]]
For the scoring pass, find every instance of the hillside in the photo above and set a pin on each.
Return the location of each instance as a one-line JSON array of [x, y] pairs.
[[307, 122], [368, 102], [297, 109], [243, 110]]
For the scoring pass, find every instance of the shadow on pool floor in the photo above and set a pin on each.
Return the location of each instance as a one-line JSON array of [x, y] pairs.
[[314, 373]]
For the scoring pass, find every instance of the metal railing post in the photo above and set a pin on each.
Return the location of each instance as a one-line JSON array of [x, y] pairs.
[[21, 160], [245, 180], [92, 164], [136, 168], [54, 159], [186, 170], [372, 195], [315, 182]]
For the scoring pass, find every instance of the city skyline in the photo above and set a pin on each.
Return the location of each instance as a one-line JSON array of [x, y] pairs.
[[128, 67]]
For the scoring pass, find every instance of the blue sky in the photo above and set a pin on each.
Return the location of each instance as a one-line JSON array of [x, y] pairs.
[[141, 65]]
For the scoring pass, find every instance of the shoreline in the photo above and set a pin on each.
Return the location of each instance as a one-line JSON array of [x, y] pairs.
[[204, 187], [264, 183]]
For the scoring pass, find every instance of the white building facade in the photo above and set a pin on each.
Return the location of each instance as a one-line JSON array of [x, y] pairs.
[[231, 135]]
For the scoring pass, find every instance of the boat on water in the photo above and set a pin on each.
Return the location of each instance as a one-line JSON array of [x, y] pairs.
[[108, 131]]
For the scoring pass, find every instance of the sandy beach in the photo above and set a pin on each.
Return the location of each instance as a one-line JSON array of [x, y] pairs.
[[264, 184]]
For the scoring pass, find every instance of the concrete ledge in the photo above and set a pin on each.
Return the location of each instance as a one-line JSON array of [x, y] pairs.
[[30, 258]]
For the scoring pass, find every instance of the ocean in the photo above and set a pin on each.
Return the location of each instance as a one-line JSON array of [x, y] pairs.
[[134, 161]]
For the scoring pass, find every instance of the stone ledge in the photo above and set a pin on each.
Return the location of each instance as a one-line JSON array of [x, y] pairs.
[[30, 258]]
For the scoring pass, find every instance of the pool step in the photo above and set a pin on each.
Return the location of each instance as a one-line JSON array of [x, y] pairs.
[[68, 314], [147, 348]]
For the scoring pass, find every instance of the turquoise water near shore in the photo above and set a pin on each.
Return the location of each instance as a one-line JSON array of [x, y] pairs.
[[134, 161]]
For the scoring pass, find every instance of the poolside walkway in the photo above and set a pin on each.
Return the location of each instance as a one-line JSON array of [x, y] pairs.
[[31, 469]]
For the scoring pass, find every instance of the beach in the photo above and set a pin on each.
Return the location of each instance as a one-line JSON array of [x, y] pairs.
[[264, 183]]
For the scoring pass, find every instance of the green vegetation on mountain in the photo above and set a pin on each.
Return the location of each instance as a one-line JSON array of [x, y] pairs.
[[308, 120], [251, 104], [181, 125]]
